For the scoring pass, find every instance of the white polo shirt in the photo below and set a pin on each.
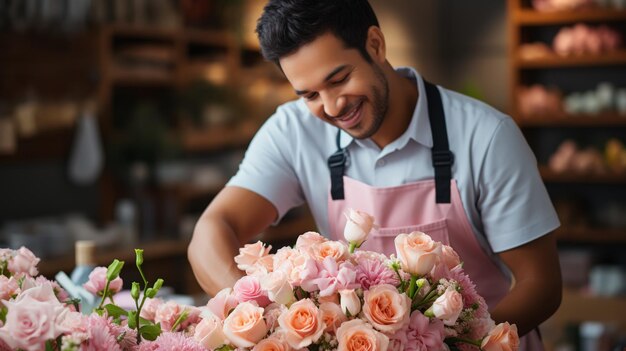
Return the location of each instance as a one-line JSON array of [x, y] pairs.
[[496, 172]]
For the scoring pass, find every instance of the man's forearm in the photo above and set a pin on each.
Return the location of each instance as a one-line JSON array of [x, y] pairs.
[[528, 305], [211, 252]]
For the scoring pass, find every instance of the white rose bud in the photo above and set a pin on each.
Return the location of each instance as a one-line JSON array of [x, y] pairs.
[[350, 302], [278, 288], [358, 226]]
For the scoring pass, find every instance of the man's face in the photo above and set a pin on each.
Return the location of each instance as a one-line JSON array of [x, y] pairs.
[[339, 85]]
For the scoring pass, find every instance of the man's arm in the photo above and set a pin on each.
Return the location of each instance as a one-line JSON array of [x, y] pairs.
[[537, 288], [232, 219]]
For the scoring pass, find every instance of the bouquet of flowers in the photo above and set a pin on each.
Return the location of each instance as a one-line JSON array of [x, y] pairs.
[[319, 295]]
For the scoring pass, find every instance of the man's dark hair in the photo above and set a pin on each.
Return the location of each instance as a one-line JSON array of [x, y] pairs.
[[287, 25]]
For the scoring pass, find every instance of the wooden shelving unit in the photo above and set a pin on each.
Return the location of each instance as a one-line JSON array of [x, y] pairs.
[[570, 74]]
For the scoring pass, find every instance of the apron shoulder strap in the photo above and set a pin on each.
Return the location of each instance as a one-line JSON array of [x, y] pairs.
[[442, 157], [337, 164]]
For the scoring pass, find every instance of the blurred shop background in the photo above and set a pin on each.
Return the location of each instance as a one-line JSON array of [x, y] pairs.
[[121, 119]]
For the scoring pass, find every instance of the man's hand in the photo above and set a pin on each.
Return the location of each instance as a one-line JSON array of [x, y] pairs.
[[232, 219]]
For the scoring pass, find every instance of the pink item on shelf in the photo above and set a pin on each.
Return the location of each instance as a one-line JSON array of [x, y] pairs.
[[561, 160], [538, 100]]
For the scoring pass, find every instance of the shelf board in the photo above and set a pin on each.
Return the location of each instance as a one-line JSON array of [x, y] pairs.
[[531, 17], [104, 256], [142, 32], [591, 235], [206, 140], [569, 120], [142, 78], [550, 176], [208, 37], [555, 61]]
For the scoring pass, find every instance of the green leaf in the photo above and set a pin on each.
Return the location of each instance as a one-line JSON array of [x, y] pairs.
[[225, 348], [132, 319], [114, 269], [3, 314], [115, 311], [150, 331], [49, 346]]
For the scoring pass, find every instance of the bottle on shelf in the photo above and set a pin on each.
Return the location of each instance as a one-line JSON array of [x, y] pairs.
[[85, 262]]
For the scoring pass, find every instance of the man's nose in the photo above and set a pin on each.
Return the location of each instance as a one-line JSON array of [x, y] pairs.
[[333, 105]]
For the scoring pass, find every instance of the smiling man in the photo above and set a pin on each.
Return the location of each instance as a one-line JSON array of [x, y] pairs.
[[416, 156]]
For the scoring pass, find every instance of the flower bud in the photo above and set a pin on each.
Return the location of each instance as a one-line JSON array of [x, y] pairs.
[[114, 269], [350, 302], [358, 226], [138, 257], [134, 291]]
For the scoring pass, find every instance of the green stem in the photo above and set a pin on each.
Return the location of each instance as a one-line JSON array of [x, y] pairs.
[[412, 286], [104, 294], [352, 247]]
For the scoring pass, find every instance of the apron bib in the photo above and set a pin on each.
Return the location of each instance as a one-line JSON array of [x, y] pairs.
[[430, 206]]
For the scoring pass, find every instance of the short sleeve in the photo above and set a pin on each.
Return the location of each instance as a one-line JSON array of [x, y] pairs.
[[267, 167], [513, 202]]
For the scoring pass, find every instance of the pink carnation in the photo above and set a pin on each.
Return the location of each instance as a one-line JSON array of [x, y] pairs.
[[150, 307], [101, 336], [370, 272], [328, 277], [171, 341], [422, 334]]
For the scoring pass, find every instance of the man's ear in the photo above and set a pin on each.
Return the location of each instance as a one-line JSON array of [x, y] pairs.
[[375, 44]]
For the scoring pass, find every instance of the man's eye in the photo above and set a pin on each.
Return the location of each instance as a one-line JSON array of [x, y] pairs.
[[311, 96], [337, 82]]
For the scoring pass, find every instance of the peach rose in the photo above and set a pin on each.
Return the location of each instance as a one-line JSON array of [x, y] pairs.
[[385, 308], [450, 257], [357, 335], [293, 265], [501, 338], [417, 252], [308, 239], [250, 254], [448, 306], [209, 334], [332, 316], [275, 342], [303, 324], [358, 226], [245, 326], [24, 261], [334, 298], [333, 249], [278, 288], [350, 302]]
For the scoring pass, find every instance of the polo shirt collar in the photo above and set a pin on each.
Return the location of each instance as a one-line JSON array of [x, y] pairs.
[[419, 128]]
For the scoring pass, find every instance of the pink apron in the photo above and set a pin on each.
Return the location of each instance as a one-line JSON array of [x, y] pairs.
[[430, 206]]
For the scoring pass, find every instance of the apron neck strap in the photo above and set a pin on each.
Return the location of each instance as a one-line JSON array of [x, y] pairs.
[[337, 164], [442, 157]]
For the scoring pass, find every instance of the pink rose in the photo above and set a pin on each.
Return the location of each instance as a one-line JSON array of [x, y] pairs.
[[448, 306], [308, 239], [250, 254], [222, 303], [24, 261], [249, 289], [303, 324], [150, 307], [271, 314], [167, 314], [8, 287], [385, 308], [417, 252], [209, 333], [30, 322], [501, 338], [245, 326], [275, 342], [98, 279], [332, 316], [358, 226], [357, 335], [350, 302], [278, 288]]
